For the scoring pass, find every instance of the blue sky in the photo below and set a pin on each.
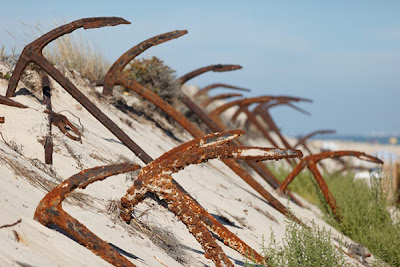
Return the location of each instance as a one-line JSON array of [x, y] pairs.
[[345, 55]]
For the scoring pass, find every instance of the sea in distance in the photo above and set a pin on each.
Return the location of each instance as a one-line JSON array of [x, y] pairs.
[[393, 139]]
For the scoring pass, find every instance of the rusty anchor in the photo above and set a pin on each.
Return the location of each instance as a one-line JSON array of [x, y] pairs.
[[215, 124], [263, 111], [259, 168], [208, 101], [155, 177], [206, 89], [311, 161], [50, 210], [303, 142], [115, 76], [33, 53], [215, 114]]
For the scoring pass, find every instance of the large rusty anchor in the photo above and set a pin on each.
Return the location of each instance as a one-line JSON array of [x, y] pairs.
[[50, 211], [33, 53], [155, 177], [115, 76], [311, 161]]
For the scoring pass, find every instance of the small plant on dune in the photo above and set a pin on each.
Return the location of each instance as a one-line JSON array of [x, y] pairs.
[[365, 217], [302, 246], [153, 74]]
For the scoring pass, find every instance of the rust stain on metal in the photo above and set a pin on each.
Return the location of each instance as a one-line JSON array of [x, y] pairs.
[[312, 160], [155, 178], [50, 211], [243, 107], [33, 53], [215, 68], [1, 119], [216, 85], [115, 76], [217, 126], [218, 97], [119, 78]]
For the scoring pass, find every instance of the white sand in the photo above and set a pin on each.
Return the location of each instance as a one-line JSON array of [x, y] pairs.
[[213, 185]]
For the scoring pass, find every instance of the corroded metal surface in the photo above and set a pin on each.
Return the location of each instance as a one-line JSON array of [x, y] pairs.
[[154, 178], [312, 160], [215, 68], [216, 85], [208, 101], [2, 120], [33, 53], [50, 211], [115, 76], [243, 107], [216, 125]]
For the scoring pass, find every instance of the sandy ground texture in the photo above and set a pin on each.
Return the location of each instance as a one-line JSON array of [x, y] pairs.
[[157, 237]]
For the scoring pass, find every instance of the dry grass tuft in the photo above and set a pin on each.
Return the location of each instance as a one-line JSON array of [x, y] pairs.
[[77, 53]]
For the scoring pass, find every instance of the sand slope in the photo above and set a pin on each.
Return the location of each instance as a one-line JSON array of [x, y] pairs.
[[25, 180]]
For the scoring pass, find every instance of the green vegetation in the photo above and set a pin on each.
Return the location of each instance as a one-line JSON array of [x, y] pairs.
[[303, 247], [364, 210], [366, 218], [304, 184]]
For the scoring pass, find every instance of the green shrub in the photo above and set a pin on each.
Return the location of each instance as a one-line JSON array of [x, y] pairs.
[[303, 246], [363, 209], [153, 74], [365, 217]]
